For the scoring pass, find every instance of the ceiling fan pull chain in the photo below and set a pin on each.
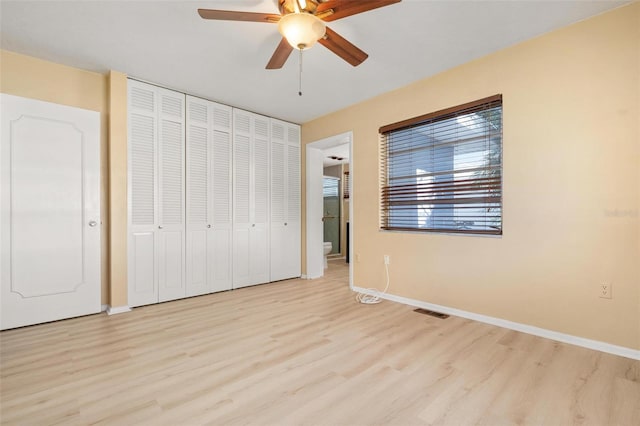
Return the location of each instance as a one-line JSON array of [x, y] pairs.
[[300, 76]]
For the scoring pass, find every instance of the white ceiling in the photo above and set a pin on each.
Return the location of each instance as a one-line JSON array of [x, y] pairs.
[[167, 43], [341, 151]]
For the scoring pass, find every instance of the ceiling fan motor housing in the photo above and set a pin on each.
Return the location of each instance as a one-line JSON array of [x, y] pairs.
[[292, 6]]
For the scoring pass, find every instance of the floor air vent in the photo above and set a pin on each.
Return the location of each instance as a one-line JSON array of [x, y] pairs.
[[431, 313]]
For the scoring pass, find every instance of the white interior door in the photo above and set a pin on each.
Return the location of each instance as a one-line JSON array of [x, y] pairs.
[[49, 212]]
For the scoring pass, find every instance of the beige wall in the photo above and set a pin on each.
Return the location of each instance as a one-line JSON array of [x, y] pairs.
[[118, 292], [29, 77], [571, 185]]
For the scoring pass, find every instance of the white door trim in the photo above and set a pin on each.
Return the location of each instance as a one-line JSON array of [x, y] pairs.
[[314, 219]]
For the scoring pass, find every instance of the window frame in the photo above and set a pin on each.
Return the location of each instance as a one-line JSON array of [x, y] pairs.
[[489, 189]]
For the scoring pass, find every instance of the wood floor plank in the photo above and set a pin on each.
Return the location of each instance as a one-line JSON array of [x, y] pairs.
[[303, 352]]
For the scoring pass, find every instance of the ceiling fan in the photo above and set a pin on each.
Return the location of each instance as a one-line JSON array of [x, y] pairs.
[[302, 24]]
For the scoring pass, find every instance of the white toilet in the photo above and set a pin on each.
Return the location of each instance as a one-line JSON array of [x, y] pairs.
[[327, 249]]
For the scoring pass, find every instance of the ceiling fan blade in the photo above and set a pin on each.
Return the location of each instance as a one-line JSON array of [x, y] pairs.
[[343, 48], [281, 55], [336, 9], [230, 15]]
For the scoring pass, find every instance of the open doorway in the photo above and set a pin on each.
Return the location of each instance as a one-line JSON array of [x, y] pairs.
[[329, 203]]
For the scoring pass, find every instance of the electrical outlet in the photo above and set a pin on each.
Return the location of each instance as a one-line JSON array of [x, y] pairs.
[[604, 291], [387, 260]]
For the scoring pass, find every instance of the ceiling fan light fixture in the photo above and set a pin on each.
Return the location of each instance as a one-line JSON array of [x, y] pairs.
[[302, 30]]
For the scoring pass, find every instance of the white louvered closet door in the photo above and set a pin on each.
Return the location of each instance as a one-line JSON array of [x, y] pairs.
[[143, 194], [292, 183], [208, 251], [171, 142], [199, 249], [156, 194], [259, 244], [285, 200], [251, 199], [220, 170], [241, 197], [279, 252]]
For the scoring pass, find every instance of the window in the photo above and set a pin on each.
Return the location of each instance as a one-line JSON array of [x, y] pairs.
[[346, 182], [330, 186], [442, 172]]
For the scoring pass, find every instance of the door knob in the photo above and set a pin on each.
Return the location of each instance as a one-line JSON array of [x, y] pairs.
[[93, 223], [159, 226], [253, 224], [208, 226], [285, 224]]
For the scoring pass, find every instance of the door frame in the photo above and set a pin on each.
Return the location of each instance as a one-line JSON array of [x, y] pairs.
[[314, 175]]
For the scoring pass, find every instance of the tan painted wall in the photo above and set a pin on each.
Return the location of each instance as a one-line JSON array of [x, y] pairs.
[[118, 293], [33, 78], [571, 185]]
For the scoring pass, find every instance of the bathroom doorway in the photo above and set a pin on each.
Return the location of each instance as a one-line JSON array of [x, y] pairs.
[[329, 203]]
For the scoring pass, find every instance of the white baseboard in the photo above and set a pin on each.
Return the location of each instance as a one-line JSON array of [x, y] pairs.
[[524, 328], [103, 308], [118, 310]]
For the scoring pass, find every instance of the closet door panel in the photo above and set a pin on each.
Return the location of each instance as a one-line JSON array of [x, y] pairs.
[[279, 174], [171, 163], [198, 246], [242, 197], [241, 259], [291, 264], [293, 223], [285, 200], [279, 252], [221, 165], [293, 183], [242, 181], [221, 276], [220, 240], [259, 255], [196, 267], [260, 170], [259, 244], [278, 249], [171, 281], [142, 276], [142, 195]]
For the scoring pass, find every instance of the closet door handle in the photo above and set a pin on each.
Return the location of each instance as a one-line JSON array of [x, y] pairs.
[[208, 226], [159, 226], [285, 224], [253, 225], [93, 223]]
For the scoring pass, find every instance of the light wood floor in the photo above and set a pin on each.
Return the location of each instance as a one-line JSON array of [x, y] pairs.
[[303, 352]]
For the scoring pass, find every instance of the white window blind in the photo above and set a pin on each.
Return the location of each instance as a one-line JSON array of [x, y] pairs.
[[442, 172]]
